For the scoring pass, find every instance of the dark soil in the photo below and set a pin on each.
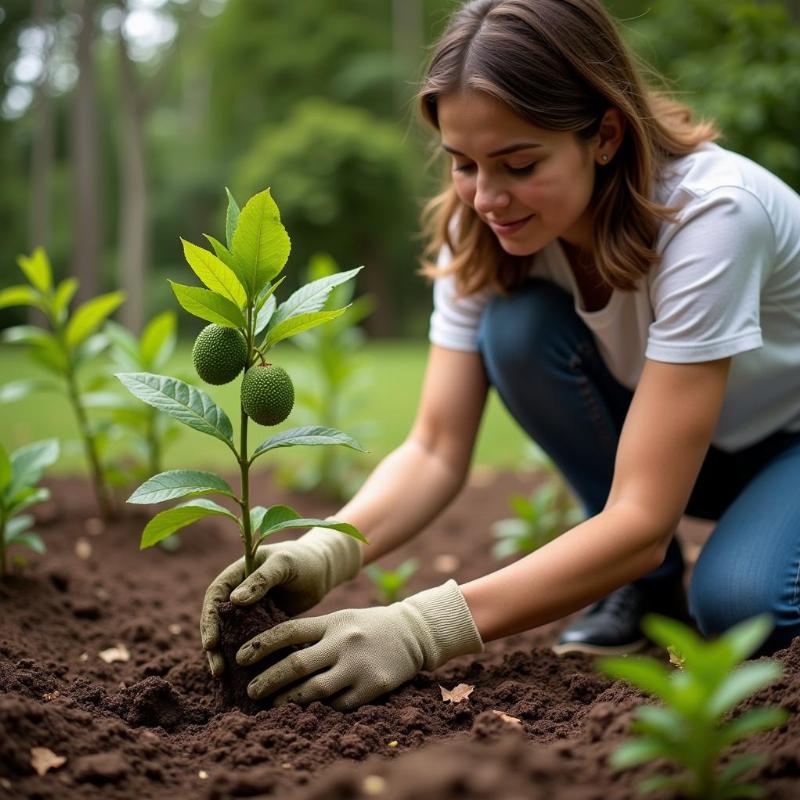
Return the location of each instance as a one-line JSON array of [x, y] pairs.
[[158, 726]]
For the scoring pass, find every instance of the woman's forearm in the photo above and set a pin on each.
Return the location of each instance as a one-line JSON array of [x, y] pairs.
[[401, 496], [580, 566]]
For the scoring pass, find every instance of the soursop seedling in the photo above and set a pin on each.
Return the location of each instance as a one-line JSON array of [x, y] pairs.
[[241, 277], [267, 394], [219, 354]]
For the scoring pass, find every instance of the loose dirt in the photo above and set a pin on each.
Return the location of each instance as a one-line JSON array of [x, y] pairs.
[[148, 721]]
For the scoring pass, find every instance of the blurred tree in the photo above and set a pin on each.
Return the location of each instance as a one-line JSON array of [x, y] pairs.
[[343, 177]]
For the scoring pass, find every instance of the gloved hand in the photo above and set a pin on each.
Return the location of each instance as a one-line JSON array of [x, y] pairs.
[[364, 652], [299, 573]]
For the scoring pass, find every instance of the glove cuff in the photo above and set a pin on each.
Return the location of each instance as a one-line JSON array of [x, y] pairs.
[[449, 629], [342, 553]]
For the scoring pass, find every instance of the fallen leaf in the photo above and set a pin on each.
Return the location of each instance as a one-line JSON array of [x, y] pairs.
[[456, 695], [175, 629], [286, 765], [446, 563], [43, 759], [675, 657], [83, 549], [118, 653], [373, 784], [393, 743], [48, 696], [203, 775], [507, 717], [83, 657]]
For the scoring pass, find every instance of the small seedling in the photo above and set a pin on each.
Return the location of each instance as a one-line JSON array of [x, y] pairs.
[[332, 389], [240, 297], [545, 514], [688, 729], [390, 583], [19, 475], [152, 430], [72, 343]]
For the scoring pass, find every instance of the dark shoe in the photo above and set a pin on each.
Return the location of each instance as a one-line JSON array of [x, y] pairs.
[[612, 625]]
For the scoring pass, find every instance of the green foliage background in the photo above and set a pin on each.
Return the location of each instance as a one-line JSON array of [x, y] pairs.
[[310, 98]]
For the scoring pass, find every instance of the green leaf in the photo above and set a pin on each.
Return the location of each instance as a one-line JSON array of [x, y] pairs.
[[167, 522], [264, 315], [753, 721], [260, 241], [738, 766], [230, 260], [25, 498], [17, 390], [743, 790], [343, 527], [231, 218], [214, 273], [276, 515], [30, 540], [37, 270], [26, 334], [124, 347], [308, 435], [88, 317], [5, 469], [19, 296], [312, 296], [637, 751], [191, 406], [646, 673], [208, 305], [157, 341], [29, 462], [180, 483], [257, 514], [298, 324], [658, 782], [16, 526], [663, 722], [64, 293], [745, 638], [671, 633], [741, 683]]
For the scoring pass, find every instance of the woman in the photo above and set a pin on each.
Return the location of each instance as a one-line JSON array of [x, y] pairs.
[[632, 291]]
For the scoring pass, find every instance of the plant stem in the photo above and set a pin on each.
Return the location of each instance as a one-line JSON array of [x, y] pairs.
[[90, 446], [244, 466], [153, 443]]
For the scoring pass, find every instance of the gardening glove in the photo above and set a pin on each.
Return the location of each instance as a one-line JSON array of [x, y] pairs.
[[300, 573], [363, 653]]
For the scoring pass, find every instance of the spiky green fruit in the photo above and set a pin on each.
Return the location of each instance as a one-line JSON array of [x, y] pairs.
[[219, 354], [267, 394]]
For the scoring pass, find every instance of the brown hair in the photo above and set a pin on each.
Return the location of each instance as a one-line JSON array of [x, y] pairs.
[[571, 51]]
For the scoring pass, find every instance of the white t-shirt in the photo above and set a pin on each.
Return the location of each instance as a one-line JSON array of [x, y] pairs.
[[728, 284]]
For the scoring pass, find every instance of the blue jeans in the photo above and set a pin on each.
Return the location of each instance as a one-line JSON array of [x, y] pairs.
[[544, 363]]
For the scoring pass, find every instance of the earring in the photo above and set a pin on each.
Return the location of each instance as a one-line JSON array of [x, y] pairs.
[[604, 157]]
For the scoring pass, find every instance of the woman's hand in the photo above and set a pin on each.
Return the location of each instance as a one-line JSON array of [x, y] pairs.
[[299, 573], [360, 654]]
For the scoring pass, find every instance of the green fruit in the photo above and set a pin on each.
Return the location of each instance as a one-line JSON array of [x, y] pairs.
[[267, 394], [219, 354]]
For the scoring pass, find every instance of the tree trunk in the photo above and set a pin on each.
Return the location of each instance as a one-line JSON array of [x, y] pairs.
[[86, 163], [377, 283], [133, 233]]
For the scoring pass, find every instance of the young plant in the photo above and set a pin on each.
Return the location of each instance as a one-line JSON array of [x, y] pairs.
[[71, 343], [246, 323], [19, 475], [152, 430], [390, 583], [332, 390], [688, 729]]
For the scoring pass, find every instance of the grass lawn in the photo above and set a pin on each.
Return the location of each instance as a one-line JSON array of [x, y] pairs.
[[389, 402]]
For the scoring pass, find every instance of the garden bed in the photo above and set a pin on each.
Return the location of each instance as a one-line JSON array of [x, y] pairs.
[[145, 720]]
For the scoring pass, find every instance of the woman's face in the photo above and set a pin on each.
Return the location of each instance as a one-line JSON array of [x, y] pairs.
[[509, 170]]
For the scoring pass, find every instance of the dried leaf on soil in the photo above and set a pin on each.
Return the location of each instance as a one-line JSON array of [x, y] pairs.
[[456, 695], [118, 653], [175, 629], [43, 759], [203, 775], [446, 563], [83, 549], [507, 717]]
